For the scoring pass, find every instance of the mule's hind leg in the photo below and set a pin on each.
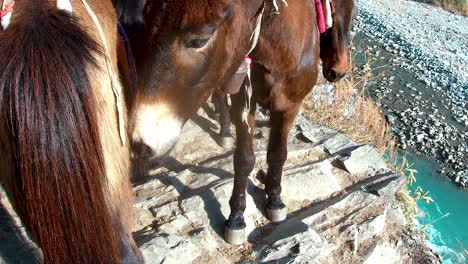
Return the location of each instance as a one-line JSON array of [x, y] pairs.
[[281, 123], [225, 139], [244, 162]]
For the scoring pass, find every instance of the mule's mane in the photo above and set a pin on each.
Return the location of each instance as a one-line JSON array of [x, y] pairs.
[[129, 11], [49, 108]]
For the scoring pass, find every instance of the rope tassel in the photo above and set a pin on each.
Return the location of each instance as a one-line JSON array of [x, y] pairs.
[[248, 91]]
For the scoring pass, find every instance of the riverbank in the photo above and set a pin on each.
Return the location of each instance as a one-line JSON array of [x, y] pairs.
[[420, 55], [444, 220]]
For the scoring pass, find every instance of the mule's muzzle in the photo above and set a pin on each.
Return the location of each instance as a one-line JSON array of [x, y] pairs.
[[142, 151], [154, 149], [332, 75], [154, 132]]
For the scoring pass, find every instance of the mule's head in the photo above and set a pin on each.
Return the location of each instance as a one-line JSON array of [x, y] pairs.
[[335, 41], [191, 47]]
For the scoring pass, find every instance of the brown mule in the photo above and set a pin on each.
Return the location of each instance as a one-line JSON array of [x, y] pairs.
[[335, 56], [62, 159], [193, 47]]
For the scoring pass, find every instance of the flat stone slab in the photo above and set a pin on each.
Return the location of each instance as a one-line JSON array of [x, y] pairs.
[[363, 159]]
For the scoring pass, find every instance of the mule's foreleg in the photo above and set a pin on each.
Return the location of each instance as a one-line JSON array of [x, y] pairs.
[[225, 139], [281, 123], [244, 162]]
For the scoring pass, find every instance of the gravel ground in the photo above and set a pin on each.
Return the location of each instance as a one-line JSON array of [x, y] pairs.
[[424, 88]]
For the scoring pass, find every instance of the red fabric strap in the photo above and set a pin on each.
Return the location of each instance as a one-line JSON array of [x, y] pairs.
[[8, 8], [249, 61], [320, 16]]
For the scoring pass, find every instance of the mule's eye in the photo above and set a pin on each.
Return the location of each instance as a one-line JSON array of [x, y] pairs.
[[197, 43]]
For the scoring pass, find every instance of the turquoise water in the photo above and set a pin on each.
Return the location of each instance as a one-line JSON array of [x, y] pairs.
[[447, 216]]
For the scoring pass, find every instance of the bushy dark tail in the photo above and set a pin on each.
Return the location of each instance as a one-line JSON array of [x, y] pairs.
[[47, 100]]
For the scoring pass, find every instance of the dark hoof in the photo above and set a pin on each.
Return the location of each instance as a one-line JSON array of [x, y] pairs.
[[234, 236], [226, 142], [277, 215]]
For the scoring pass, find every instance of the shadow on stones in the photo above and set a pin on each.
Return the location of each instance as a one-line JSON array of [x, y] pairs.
[[142, 237], [294, 224], [211, 204], [210, 112], [207, 125], [284, 260]]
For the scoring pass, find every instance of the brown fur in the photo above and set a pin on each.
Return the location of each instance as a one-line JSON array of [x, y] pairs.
[[193, 47], [67, 172]]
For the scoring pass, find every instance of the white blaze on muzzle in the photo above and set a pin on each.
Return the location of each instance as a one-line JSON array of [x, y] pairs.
[[156, 127]]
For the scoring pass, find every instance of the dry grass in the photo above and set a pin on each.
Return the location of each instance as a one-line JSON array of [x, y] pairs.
[[457, 6], [352, 113]]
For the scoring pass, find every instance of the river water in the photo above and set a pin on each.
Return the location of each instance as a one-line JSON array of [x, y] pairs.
[[447, 217]]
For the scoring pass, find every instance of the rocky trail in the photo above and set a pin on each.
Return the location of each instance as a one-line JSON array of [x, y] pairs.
[[340, 197], [420, 53]]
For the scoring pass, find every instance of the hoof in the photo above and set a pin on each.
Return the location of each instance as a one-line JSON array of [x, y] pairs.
[[234, 236], [226, 142], [277, 215]]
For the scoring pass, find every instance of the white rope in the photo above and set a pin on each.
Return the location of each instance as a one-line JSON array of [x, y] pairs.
[[248, 91], [254, 39], [256, 34], [115, 83], [248, 87]]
